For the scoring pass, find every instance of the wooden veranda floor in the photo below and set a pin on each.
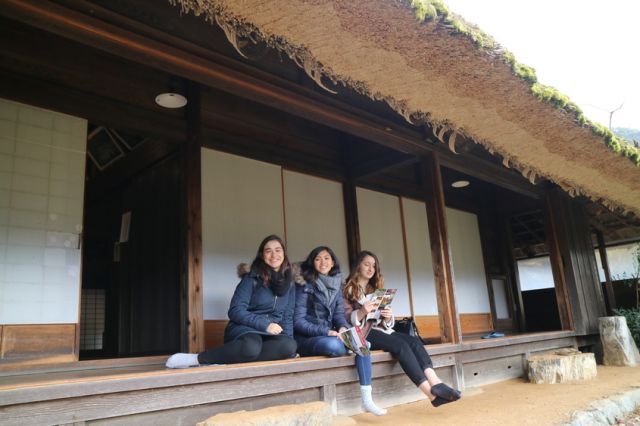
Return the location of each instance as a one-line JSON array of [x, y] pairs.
[[142, 391]]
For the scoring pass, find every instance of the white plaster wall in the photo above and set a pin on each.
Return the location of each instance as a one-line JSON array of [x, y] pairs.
[[419, 256], [241, 204], [42, 163], [622, 262], [314, 212], [470, 281], [535, 273], [381, 233]]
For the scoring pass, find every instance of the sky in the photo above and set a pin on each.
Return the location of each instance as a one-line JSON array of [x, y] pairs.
[[588, 50]]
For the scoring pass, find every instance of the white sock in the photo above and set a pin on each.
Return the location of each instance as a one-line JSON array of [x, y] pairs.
[[368, 404], [182, 361]]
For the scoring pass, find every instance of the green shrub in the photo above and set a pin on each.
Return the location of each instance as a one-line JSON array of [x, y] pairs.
[[633, 321]]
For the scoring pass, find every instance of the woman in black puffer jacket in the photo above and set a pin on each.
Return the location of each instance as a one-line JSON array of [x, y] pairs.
[[260, 324]]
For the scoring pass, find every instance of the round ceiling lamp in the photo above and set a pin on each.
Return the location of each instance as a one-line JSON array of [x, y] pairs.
[[171, 100], [460, 183]]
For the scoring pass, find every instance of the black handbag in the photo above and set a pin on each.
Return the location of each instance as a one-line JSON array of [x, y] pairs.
[[407, 325]]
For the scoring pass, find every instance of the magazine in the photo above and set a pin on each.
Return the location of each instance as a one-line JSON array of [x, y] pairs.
[[353, 339], [382, 297]]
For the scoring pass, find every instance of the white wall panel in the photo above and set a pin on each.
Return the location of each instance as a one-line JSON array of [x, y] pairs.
[[381, 233], [535, 274], [468, 266], [42, 163], [241, 204], [623, 262], [419, 254], [314, 213]]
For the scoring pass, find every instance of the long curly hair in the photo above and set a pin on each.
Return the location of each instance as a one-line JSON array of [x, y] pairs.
[[352, 291]]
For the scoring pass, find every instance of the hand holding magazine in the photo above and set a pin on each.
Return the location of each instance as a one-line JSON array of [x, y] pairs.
[[354, 340], [382, 297]]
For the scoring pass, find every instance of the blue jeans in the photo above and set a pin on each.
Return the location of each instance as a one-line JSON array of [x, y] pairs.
[[332, 346]]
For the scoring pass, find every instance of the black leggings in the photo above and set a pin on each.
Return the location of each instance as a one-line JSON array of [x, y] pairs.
[[409, 351], [250, 347]]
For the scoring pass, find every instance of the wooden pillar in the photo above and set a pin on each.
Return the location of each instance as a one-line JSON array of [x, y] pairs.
[[511, 265], [351, 218], [192, 276], [602, 248], [443, 272], [557, 268]]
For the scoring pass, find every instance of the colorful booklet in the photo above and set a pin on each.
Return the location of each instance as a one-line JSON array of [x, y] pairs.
[[382, 297], [354, 340]]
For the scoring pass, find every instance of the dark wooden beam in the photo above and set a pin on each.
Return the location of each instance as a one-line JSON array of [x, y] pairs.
[[268, 147], [442, 269], [604, 259], [351, 219], [381, 164], [202, 65], [94, 108], [193, 205]]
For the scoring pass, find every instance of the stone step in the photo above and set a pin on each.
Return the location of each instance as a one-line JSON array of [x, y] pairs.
[[564, 365]]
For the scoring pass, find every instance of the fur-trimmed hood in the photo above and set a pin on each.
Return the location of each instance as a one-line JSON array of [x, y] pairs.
[[243, 269]]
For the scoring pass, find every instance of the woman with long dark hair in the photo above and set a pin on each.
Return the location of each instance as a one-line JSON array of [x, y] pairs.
[[260, 324], [319, 317], [365, 278]]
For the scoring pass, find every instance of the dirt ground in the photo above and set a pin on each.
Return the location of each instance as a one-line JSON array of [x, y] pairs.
[[512, 402]]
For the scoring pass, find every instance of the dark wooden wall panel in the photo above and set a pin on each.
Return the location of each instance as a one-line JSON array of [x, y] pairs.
[[578, 262]]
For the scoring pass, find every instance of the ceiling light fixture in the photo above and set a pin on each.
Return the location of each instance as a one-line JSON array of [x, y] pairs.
[[171, 100], [460, 183]]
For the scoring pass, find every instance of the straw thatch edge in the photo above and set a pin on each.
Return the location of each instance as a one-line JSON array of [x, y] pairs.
[[445, 130], [436, 10]]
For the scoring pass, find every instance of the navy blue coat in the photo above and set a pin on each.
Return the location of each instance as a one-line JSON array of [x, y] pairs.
[[312, 317], [254, 306]]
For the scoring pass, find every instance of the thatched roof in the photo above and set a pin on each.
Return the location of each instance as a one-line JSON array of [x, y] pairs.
[[434, 71]]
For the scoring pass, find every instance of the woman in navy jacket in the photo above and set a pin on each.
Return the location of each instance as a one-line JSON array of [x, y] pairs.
[[319, 317], [260, 324]]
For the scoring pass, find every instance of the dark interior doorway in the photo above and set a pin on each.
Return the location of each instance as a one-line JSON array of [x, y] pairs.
[[537, 285], [131, 261]]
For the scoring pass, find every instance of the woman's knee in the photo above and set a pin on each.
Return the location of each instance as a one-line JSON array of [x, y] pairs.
[[289, 348], [331, 347], [250, 349]]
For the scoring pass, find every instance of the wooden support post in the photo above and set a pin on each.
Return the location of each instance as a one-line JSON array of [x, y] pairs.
[[557, 268], [407, 264], [443, 272], [351, 218], [602, 248], [457, 377], [328, 394], [193, 236], [511, 265]]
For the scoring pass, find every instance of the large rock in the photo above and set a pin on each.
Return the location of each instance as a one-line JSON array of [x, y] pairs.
[[565, 365], [617, 343], [312, 414]]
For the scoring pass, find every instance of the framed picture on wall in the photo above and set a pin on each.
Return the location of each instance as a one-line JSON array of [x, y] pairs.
[[103, 148]]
